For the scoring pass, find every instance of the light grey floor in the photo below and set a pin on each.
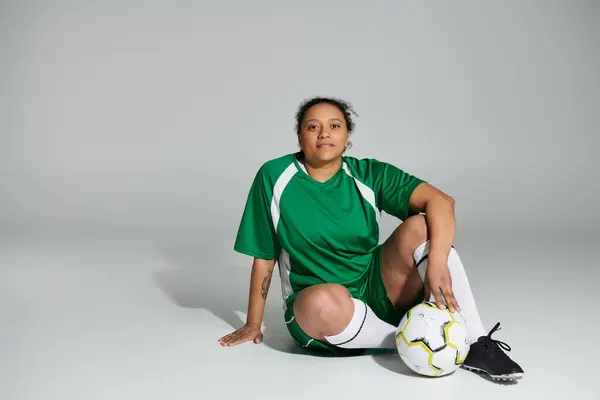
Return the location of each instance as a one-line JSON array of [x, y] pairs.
[[106, 320]]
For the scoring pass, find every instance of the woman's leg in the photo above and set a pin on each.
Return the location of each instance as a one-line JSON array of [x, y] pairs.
[[407, 248], [328, 313], [404, 265]]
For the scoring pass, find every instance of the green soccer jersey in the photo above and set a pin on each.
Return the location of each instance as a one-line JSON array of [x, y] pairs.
[[321, 232]]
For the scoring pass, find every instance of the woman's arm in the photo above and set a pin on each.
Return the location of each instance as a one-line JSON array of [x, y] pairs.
[[441, 227], [260, 281], [441, 222]]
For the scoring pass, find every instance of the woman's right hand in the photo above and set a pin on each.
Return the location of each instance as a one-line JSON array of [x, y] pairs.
[[247, 333]]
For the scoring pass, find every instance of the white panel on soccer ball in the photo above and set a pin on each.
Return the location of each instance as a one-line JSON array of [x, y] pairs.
[[434, 313], [442, 316], [416, 329], [423, 310], [418, 355], [458, 336], [435, 334], [410, 365], [418, 360], [401, 346], [459, 325], [445, 360]]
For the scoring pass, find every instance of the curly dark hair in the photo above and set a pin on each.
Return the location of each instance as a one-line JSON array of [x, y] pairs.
[[345, 107]]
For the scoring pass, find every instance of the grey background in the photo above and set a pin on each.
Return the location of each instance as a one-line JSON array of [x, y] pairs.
[[130, 133], [131, 118]]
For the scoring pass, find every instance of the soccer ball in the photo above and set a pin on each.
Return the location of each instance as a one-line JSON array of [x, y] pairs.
[[431, 341]]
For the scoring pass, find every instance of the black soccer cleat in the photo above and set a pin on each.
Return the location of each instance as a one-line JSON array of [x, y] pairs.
[[486, 356]]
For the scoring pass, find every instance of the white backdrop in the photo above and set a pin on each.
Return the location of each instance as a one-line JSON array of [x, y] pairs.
[[149, 119]]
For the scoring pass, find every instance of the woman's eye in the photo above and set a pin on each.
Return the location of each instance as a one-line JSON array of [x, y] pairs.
[[336, 125]]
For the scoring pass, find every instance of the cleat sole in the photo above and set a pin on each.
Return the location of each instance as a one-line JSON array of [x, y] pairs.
[[502, 378]]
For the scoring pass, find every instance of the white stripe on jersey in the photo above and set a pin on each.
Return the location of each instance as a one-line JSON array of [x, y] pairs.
[[278, 189], [366, 192]]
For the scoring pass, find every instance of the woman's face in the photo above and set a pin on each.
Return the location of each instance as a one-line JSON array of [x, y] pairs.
[[323, 134]]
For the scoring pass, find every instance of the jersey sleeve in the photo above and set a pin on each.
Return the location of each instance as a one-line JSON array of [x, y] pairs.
[[393, 189], [256, 235]]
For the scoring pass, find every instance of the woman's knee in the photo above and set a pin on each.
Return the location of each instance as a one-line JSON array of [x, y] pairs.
[[401, 279], [323, 310], [414, 230], [398, 250]]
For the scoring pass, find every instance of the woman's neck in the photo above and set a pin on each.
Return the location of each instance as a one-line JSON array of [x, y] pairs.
[[321, 171]]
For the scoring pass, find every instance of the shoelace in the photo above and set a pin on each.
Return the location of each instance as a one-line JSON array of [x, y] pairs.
[[493, 346]]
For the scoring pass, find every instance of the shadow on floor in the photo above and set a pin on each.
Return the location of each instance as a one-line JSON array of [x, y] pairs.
[[391, 361], [196, 280]]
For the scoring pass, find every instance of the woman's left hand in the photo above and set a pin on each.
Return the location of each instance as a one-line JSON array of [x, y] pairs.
[[438, 283]]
